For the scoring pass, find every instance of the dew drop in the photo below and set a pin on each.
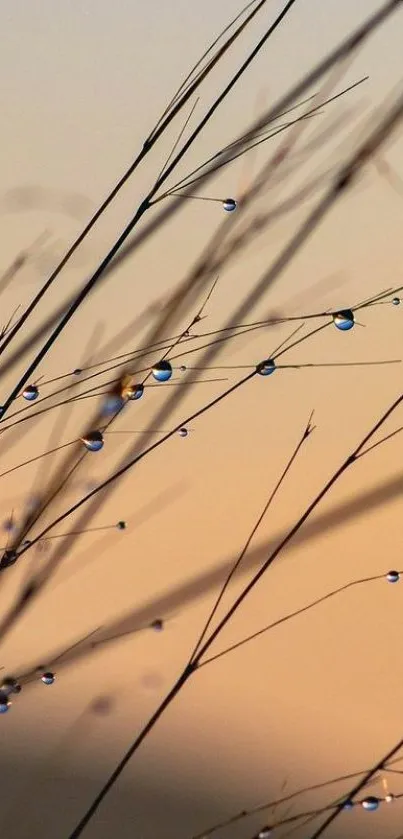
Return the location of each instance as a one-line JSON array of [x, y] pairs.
[[266, 368], [77, 371], [229, 205], [121, 525], [348, 805], [157, 625], [162, 371], [93, 441], [344, 320], [393, 576], [389, 798], [30, 393], [396, 301], [4, 703], [183, 368], [134, 391], [48, 678], [264, 833], [183, 432], [370, 803]]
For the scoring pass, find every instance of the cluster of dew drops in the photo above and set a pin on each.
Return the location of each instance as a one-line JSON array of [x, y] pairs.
[[370, 804], [161, 371], [10, 687], [94, 441]]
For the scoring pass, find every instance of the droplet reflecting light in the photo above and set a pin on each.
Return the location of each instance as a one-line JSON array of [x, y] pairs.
[[393, 576], [162, 371], [30, 393], [344, 320], [48, 678], [183, 432], [121, 525], [370, 803], [93, 441], [134, 391], [157, 625], [266, 368], [264, 833], [229, 205], [4, 703], [396, 301]]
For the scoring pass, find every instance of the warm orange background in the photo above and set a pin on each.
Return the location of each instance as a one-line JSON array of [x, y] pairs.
[[321, 696]]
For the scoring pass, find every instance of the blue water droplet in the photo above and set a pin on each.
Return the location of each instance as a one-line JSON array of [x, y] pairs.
[[229, 205], [266, 368], [93, 441], [134, 391], [4, 703], [370, 803], [344, 320], [162, 371], [48, 678], [30, 393]]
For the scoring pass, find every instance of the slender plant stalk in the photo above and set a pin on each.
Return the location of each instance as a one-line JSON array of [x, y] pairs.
[[348, 47], [147, 146], [192, 666]]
